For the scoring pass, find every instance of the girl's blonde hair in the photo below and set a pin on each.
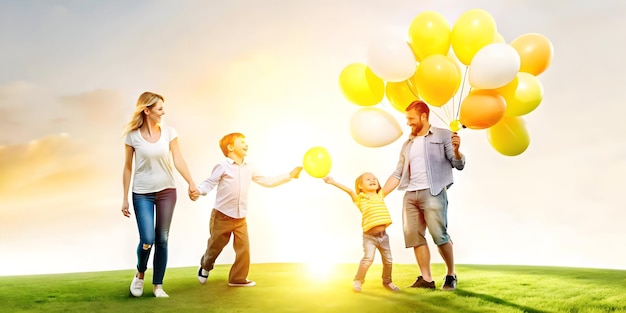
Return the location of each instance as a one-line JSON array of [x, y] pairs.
[[146, 101], [358, 180]]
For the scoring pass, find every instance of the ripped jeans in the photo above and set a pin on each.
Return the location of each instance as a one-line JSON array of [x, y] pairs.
[[154, 231]]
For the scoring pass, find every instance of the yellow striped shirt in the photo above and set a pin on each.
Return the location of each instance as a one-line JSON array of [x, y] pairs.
[[373, 210]]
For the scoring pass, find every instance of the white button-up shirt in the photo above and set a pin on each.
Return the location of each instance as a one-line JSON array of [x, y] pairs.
[[233, 181]]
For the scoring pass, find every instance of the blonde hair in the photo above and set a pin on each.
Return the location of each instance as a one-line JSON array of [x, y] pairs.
[[229, 140], [146, 101], [358, 180]]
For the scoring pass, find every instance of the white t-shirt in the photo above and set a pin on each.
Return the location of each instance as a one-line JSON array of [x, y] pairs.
[[153, 169], [417, 165]]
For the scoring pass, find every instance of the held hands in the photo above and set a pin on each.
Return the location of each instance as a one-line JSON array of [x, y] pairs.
[[193, 191], [295, 173]]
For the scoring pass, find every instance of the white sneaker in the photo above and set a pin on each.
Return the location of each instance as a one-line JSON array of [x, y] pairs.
[[356, 285], [248, 283], [160, 293], [136, 287], [203, 275]]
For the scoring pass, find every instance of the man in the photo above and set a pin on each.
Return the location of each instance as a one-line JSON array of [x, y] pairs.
[[425, 172]]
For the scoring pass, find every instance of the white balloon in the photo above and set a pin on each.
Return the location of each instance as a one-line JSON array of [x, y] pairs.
[[494, 66], [391, 59], [374, 127]]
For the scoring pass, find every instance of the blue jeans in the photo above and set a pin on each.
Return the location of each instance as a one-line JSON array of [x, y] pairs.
[[370, 244], [421, 210], [154, 231]]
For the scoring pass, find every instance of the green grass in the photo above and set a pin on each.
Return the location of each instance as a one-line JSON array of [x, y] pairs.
[[290, 288]]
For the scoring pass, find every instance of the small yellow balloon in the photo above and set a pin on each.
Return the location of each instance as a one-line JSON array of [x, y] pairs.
[[360, 85], [473, 30], [455, 126], [317, 162], [400, 94]]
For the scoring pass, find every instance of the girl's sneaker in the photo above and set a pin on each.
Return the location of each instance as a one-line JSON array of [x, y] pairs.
[[356, 286]]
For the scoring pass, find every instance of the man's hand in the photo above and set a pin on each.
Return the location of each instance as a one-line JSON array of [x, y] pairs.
[[456, 142]]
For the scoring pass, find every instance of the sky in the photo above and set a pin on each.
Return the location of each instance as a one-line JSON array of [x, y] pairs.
[[72, 71]]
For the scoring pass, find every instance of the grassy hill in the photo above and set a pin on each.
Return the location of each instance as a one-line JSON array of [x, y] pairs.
[[292, 288]]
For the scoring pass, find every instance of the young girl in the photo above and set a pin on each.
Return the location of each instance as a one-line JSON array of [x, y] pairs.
[[369, 198]]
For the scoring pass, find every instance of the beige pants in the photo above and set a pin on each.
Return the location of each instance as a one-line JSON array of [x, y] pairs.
[[221, 227]]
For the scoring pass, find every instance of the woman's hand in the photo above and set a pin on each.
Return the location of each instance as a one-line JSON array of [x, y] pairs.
[[194, 193], [125, 210]]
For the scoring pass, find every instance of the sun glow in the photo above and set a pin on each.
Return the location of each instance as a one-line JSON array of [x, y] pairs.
[[321, 270]]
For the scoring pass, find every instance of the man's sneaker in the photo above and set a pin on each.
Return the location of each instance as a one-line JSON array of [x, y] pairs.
[[421, 283], [450, 283], [136, 287], [160, 293], [356, 285], [203, 275], [248, 283], [391, 286]]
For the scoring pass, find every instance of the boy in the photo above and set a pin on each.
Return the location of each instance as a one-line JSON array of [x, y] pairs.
[[232, 177]]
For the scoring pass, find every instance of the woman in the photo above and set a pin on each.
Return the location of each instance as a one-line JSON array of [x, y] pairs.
[[154, 189]]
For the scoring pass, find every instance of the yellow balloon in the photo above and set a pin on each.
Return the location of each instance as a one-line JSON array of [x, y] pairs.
[[437, 79], [400, 94], [523, 94], [456, 125], [429, 33], [509, 136], [473, 30], [360, 85], [317, 162]]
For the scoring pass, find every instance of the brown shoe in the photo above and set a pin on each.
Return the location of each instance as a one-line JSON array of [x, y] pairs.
[[421, 283]]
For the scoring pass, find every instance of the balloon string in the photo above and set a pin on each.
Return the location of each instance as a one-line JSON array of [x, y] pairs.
[[440, 118], [414, 92], [447, 110], [411, 88], [461, 94]]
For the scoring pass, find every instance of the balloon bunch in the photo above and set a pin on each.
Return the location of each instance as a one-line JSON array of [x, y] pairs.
[[502, 78]]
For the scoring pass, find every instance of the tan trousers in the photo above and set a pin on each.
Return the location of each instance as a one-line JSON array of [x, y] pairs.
[[221, 227]]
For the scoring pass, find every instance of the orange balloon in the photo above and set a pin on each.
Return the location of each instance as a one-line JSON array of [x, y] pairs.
[[482, 109], [437, 79], [535, 51], [509, 136], [400, 94]]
